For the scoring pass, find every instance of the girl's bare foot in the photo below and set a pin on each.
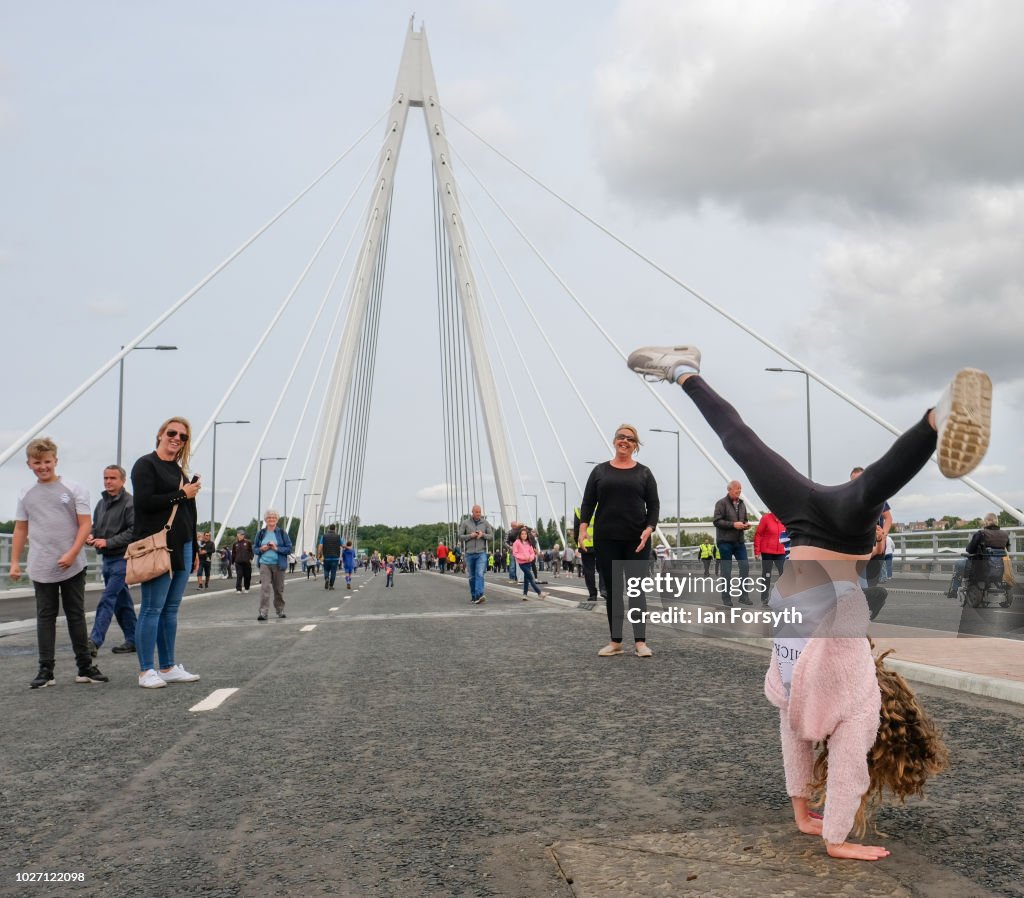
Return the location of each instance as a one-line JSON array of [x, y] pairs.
[[852, 851], [809, 825]]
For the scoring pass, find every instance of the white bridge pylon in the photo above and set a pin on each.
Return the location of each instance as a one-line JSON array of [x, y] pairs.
[[415, 87]]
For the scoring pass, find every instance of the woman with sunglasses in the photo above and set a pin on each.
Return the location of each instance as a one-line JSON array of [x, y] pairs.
[[624, 495], [160, 484]]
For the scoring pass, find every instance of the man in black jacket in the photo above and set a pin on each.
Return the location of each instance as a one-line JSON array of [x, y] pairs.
[[730, 525], [112, 525]]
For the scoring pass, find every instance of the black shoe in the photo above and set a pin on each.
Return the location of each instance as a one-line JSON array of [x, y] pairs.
[[91, 675], [281, 614], [43, 679], [727, 603], [262, 617], [745, 601], [94, 649], [125, 648]]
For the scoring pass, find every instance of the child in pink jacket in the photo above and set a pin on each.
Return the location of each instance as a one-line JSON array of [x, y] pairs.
[[525, 556], [822, 676]]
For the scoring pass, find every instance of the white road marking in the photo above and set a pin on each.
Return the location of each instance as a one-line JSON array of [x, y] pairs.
[[214, 700], [307, 628], [333, 609]]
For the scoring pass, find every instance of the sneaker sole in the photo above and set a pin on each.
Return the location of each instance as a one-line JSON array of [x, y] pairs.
[[152, 685], [90, 680], [966, 433], [652, 374], [42, 685]]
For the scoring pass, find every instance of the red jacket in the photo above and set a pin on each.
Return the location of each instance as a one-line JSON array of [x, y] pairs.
[[442, 551], [766, 537]]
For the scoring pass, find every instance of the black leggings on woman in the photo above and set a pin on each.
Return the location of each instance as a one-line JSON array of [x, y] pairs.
[[607, 552], [840, 518]]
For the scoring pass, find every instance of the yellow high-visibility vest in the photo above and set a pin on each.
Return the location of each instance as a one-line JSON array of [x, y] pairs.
[[588, 543]]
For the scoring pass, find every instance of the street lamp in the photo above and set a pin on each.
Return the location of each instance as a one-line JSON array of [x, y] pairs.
[[565, 512], [259, 489], [304, 515], [213, 477], [679, 477], [120, 393], [810, 476], [289, 480], [536, 511]]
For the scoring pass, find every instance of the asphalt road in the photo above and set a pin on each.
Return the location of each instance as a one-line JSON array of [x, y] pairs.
[[414, 745]]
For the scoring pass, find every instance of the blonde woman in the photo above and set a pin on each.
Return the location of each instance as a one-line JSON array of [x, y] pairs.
[[160, 485], [622, 494]]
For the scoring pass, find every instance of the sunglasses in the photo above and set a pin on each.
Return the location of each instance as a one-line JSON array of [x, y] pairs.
[[175, 434], [623, 437]]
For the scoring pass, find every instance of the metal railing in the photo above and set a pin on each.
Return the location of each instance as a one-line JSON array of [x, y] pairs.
[[6, 544]]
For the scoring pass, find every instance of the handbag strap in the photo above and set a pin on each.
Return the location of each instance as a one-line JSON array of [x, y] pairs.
[[174, 510]]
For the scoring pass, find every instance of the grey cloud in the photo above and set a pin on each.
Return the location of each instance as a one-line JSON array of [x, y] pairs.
[[914, 303], [827, 110]]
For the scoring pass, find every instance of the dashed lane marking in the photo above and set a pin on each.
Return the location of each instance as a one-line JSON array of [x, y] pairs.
[[333, 609], [215, 699], [307, 628]]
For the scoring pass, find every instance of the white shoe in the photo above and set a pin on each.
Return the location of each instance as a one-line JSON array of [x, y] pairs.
[[661, 362], [151, 680], [177, 674], [963, 416]]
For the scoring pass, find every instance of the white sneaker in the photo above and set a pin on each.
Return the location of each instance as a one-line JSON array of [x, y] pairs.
[[151, 680], [177, 674], [963, 416], [660, 362]]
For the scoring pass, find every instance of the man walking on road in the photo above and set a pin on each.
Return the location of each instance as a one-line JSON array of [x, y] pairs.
[[730, 525], [475, 532], [330, 554], [112, 524]]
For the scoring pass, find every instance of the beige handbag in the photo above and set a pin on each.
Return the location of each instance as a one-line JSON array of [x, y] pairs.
[[149, 557]]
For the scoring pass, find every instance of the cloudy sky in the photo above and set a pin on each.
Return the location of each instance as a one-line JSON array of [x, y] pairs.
[[845, 179]]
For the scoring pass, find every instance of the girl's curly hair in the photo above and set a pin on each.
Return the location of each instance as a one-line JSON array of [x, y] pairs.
[[908, 748]]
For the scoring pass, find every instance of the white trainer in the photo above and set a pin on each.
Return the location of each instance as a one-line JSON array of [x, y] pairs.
[[963, 416], [177, 674], [658, 363], [151, 680]]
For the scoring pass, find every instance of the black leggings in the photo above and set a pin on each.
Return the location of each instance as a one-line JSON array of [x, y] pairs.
[[840, 518], [607, 552]]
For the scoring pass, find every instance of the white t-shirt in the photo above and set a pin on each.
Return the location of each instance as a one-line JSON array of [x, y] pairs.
[[52, 510]]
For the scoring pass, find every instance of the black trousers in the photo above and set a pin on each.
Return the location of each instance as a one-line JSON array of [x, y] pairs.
[[243, 574], [841, 518], [608, 551], [49, 597], [589, 561]]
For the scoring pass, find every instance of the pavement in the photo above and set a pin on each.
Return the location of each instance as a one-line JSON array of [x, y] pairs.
[[396, 742]]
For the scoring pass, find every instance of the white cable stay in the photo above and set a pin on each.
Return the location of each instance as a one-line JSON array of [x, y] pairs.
[[541, 330], [268, 330], [657, 396], [131, 344], [522, 417], [828, 385], [295, 365], [320, 364], [533, 383]]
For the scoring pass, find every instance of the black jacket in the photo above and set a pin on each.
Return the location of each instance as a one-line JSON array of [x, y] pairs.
[[989, 541], [725, 517], [157, 486], [114, 521]]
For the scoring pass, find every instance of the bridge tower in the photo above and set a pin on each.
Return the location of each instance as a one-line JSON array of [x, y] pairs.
[[415, 87]]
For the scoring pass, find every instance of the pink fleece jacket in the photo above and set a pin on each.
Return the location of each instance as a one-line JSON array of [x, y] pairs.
[[523, 552], [834, 693]]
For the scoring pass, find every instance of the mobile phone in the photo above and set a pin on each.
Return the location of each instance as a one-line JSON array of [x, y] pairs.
[[195, 478]]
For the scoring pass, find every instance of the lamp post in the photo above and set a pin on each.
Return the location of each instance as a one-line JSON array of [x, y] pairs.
[[259, 489], [304, 497], [679, 477], [565, 511], [807, 377], [213, 477], [120, 394], [536, 511], [290, 480]]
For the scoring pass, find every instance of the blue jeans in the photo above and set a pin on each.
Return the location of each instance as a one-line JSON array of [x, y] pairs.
[[116, 601], [729, 551], [476, 564], [158, 620], [330, 570], [528, 579], [512, 570]]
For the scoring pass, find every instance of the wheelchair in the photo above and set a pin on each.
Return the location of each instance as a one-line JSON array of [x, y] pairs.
[[983, 583]]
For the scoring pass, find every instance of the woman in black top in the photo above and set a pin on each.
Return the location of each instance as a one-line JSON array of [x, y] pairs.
[[625, 496], [160, 484]]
